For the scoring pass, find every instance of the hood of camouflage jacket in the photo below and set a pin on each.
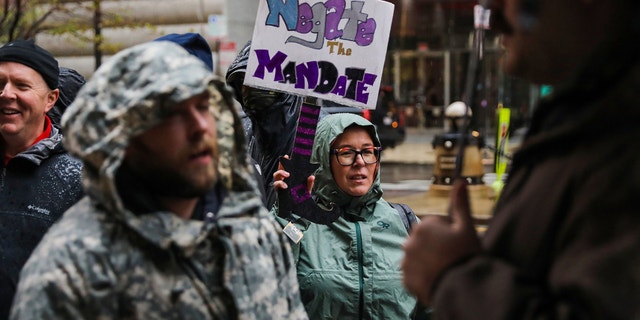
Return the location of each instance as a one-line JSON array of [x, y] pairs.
[[133, 91], [325, 188]]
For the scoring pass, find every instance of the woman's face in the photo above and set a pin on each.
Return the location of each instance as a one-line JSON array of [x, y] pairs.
[[355, 179]]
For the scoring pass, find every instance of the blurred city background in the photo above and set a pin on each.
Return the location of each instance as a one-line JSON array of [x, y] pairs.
[[425, 70], [426, 63]]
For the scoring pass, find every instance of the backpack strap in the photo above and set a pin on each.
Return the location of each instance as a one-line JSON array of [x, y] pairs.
[[407, 215], [409, 218]]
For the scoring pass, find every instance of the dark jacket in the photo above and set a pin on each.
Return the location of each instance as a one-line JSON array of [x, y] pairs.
[[272, 129], [564, 242], [36, 188]]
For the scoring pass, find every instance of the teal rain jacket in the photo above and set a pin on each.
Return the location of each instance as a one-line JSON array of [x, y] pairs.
[[350, 269]]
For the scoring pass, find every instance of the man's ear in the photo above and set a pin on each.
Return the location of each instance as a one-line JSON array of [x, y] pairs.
[[52, 97]]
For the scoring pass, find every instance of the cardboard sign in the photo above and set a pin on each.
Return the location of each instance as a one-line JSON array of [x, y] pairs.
[[332, 49]]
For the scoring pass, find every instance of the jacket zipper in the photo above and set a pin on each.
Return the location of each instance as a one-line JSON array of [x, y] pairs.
[[4, 173], [360, 271]]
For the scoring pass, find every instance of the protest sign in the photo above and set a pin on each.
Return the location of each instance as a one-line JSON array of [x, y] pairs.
[[332, 49]]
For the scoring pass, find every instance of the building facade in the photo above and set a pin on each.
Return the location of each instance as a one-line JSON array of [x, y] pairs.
[[427, 61]]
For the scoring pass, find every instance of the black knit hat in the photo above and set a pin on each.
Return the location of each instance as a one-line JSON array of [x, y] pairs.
[[31, 55]]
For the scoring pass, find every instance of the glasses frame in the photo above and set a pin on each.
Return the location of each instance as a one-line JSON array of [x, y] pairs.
[[376, 152]]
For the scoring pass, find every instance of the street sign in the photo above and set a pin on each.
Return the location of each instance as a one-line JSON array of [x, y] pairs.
[[217, 26]]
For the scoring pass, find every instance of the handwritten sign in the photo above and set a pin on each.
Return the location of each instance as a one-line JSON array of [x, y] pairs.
[[332, 50]]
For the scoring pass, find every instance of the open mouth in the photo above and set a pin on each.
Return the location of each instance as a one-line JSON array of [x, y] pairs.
[[201, 155], [9, 112]]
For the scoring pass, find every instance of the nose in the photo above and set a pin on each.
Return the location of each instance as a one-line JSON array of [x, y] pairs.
[[359, 160], [5, 90], [200, 121]]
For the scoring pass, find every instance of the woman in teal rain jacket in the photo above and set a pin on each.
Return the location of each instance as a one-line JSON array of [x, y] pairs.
[[350, 269]]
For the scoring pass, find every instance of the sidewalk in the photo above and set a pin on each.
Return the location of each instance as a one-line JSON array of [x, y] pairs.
[[409, 153], [419, 150]]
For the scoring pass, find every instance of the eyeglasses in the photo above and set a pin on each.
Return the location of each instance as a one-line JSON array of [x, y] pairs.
[[347, 156]]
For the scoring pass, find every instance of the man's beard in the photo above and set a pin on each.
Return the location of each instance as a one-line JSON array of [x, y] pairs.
[[165, 180], [173, 183], [140, 190]]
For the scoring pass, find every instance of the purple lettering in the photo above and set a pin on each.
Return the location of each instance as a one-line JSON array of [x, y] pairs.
[[366, 29], [300, 194], [317, 21], [321, 76], [308, 71], [323, 20], [270, 64], [335, 9], [361, 91], [305, 19]]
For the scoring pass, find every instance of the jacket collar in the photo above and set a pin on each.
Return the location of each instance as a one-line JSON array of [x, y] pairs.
[[42, 149]]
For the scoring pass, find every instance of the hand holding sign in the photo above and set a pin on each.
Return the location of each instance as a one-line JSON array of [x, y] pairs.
[[332, 50], [297, 197]]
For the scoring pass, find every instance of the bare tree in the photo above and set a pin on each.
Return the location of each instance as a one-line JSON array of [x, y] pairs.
[[82, 20], [23, 19]]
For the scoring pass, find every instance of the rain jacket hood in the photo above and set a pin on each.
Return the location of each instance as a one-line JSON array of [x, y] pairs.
[[235, 73], [325, 187], [70, 83]]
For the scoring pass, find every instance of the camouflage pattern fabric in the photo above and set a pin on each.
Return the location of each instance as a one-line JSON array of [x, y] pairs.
[[102, 261]]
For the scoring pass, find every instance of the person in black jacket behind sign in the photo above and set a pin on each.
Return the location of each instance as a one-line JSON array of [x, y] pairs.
[[273, 117], [70, 82]]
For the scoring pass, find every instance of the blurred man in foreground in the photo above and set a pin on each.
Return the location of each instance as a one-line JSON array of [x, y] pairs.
[[563, 243]]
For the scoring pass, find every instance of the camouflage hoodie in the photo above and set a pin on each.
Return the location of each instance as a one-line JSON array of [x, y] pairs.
[[103, 261]]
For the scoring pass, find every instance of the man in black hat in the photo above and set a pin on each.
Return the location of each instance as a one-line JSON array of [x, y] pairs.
[[38, 179]]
